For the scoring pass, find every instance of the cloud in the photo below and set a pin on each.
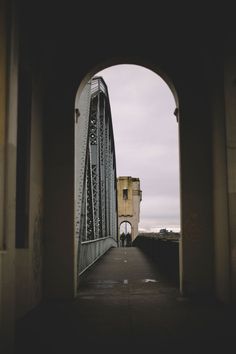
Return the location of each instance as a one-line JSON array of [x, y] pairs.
[[146, 139]]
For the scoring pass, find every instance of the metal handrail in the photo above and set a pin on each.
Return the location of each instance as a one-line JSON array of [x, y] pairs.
[[96, 240]]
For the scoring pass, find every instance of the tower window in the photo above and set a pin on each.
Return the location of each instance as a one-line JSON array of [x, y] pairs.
[[125, 193]]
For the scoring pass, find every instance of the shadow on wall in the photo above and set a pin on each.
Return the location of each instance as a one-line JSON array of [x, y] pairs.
[[164, 252]]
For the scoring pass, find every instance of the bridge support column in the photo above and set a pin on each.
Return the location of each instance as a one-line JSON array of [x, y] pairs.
[[230, 112], [220, 186], [196, 245], [59, 252]]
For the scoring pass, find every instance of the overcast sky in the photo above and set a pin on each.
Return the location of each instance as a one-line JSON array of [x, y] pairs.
[[146, 141]]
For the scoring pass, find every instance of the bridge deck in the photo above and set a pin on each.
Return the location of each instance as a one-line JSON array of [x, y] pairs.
[[125, 300]]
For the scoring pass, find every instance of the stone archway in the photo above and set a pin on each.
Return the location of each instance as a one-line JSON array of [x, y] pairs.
[[125, 228], [129, 198]]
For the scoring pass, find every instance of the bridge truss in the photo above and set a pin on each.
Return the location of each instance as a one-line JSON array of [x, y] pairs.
[[95, 182]]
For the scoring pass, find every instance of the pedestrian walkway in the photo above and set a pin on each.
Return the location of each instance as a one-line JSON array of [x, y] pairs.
[[124, 301]]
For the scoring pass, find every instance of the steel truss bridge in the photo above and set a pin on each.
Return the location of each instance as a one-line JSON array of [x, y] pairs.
[[95, 179]]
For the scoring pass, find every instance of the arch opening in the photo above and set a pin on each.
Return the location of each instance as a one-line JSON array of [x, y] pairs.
[[125, 234], [175, 111]]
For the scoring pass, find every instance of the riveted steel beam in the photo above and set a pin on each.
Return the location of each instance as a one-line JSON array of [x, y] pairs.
[[96, 213]]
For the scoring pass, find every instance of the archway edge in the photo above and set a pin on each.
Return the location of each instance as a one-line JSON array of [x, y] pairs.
[[142, 62], [123, 221], [128, 222], [195, 193]]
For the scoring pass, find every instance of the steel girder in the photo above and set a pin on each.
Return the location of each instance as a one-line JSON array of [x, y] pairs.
[[98, 212]]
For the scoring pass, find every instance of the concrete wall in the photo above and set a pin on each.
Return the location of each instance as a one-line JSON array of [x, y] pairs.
[[59, 247], [20, 269], [137, 198], [230, 111], [28, 260], [164, 253], [8, 90], [3, 108], [220, 183], [196, 246], [129, 209], [125, 206], [63, 56]]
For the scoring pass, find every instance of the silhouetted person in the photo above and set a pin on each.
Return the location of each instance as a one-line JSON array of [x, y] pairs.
[[122, 238], [128, 240]]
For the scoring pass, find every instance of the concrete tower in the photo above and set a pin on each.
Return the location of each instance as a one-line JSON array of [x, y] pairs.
[[129, 198]]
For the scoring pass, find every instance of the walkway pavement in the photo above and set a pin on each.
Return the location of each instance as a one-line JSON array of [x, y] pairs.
[[125, 304]]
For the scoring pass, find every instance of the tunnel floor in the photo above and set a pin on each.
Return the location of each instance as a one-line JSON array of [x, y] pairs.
[[124, 302]]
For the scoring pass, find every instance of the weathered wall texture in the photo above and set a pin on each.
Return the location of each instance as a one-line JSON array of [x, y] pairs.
[[29, 260], [230, 110], [201, 73], [129, 209], [7, 183], [20, 269]]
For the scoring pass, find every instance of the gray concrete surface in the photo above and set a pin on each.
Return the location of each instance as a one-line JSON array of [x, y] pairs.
[[125, 304]]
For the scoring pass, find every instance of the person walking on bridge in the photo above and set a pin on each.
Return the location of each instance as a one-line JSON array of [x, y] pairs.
[[128, 240], [122, 238]]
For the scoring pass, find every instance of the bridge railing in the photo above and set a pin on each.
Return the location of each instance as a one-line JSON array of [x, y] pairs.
[[92, 250], [95, 180]]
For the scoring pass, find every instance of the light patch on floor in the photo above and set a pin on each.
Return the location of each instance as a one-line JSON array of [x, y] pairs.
[[150, 281]]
